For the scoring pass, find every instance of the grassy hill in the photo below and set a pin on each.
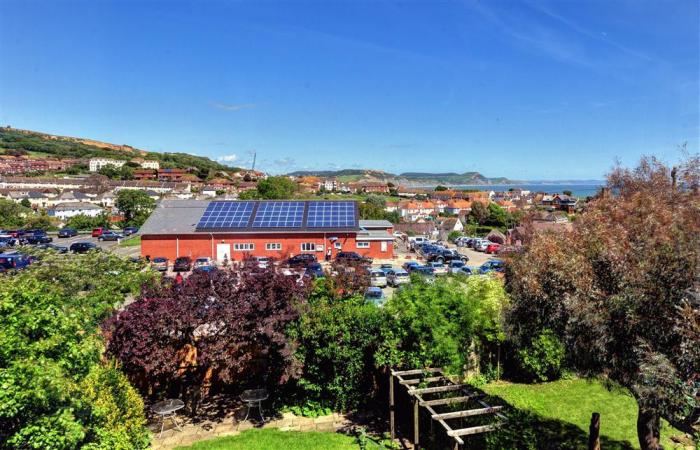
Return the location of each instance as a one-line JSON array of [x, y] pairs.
[[449, 178], [41, 144]]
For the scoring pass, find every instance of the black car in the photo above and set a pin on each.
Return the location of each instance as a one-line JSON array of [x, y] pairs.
[[82, 247], [302, 260], [182, 264], [34, 239], [67, 232], [54, 247], [352, 257], [445, 256], [128, 231]]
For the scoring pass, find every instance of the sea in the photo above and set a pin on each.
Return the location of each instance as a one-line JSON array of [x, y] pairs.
[[577, 190]]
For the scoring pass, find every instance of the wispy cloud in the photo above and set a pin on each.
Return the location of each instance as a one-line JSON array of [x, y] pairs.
[[227, 159], [285, 162], [233, 106]]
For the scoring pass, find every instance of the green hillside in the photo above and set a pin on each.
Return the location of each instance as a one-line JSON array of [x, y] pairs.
[[40, 144]]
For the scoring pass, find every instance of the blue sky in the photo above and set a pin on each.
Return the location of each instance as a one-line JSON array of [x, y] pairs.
[[528, 90]]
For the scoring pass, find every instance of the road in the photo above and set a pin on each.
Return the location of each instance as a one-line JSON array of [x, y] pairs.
[[111, 246]]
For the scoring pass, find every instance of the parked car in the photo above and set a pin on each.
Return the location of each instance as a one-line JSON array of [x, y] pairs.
[[494, 265], [377, 278], [375, 295], [315, 270], [82, 247], [465, 271], [13, 261], [302, 260], [409, 266], [182, 264], [160, 264], [456, 266], [492, 248], [386, 268], [128, 231], [7, 241], [481, 245], [203, 261], [108, 235], [427, 273], [204, 269], [54, 247], [34, 239], [263, 262], [352, 257], [446, 256], [97, 232], [438, 268], [67, 232], [397, 277]]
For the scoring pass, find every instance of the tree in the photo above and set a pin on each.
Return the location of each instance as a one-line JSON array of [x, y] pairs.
[[440, 188], [126, 172], [228, 327], [136, 206], [479, 213], [12, 214], [567, 192], [110, 171], [616, 291], [84, 222], [497, 216], [26, 203], [42, 221], [276, 188]]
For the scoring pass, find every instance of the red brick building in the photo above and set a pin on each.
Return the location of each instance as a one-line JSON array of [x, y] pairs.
[[235, 230]]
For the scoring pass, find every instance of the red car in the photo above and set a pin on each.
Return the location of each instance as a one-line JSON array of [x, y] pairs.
[[97, 232], [493, 248]]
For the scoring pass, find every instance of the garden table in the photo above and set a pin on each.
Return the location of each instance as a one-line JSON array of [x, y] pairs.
[[167, 409], [253, 398]]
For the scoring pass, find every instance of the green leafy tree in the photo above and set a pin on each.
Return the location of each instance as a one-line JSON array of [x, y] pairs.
[[371, 211], [440, 188], [110, 171], [276, 188], [12, 214], [617, 291], [567, 192], [497, 216], [84, 222], [42, 221], [126, 172], [136, 206], [26, 203], [479, 213]]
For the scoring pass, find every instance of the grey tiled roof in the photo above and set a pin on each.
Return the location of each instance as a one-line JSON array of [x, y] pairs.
[[375, 224], [175, 217]]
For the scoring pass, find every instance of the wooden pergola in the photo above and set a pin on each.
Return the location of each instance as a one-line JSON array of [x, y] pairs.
[[424, 383]]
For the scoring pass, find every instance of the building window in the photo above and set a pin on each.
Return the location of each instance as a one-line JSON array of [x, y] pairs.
[[243, 247], [362, 244], [308, 247], [273, 246]]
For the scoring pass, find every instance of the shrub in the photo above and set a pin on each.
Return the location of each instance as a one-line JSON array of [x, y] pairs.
[[542, 359], [337, 338]]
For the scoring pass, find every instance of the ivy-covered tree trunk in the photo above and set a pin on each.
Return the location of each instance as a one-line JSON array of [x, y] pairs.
[[648, 430]]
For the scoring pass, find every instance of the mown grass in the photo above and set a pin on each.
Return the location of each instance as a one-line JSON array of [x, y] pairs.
[[267, 439], [131, 242], [573, 401]]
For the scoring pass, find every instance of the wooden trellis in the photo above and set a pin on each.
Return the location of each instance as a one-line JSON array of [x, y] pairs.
[[419, 386]]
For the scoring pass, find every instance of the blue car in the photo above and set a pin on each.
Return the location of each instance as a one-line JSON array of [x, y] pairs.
[[205, 269], [67, 232], [410, 266], [494, 265], [13, 261], [375, 295], [315, 270]]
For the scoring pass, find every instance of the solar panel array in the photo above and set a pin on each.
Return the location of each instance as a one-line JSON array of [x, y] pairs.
[[331, 214], [226, 215], [278, 215]]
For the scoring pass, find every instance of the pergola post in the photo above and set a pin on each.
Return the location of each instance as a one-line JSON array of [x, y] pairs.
[[391, 406], [416, 444]]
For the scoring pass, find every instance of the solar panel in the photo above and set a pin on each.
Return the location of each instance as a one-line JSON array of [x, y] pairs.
[[331, 214], [226, 215], [279, 215]]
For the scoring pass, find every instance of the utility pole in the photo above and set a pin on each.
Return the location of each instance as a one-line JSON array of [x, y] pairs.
[[255, 154]]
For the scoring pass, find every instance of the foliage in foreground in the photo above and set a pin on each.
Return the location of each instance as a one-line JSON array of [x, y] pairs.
[[56, 392], [448, 323], [617, 291]]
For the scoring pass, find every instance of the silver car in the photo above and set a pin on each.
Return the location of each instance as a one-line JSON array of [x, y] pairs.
[[396, 277], [377, 278]]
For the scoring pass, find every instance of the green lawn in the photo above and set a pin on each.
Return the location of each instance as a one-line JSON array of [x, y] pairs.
[[573, 401], [271, 438], [131, 242]]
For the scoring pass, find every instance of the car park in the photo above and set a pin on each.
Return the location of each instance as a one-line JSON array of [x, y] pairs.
[[13, 261], [438, 268], [67, 232], [352, 257], [160, 264], [97, 232], [494, 265], [108, 235], [377, 278], [375, 295], [82, 247], [397, 277], [182, 264], [302, 260], [128, 231]]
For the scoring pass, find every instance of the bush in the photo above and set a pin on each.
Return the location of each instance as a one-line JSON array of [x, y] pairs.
[[542, 359], [337, 339], [84, 222]]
